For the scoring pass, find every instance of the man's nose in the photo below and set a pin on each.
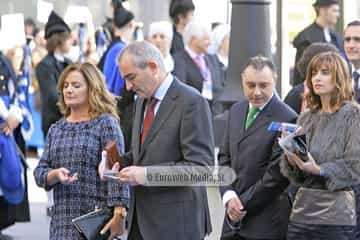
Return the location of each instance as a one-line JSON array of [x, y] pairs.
[[257, 91], [128, 85]]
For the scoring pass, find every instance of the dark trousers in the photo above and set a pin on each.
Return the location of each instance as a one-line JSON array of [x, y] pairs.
[[357, 198], [300, 231], [134, 233], [238, 237]]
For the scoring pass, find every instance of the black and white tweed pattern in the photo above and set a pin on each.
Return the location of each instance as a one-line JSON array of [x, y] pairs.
[[77, 147]]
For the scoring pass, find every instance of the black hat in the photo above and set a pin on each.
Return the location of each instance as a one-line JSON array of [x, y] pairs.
[[55, 24], [122, 16], [323, 3]]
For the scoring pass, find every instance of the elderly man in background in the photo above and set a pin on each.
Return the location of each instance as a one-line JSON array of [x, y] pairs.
[[193, 65], [160, 34]]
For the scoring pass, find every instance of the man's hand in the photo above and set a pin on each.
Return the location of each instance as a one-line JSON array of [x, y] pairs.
[[235, 210], [133, 175], [116, 225]]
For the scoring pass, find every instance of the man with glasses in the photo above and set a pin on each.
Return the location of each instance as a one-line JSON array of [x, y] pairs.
[[172, 127]]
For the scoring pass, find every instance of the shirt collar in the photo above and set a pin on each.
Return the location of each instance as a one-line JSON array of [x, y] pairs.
[[354, 70], [223, 60], [193, 54], [164, 87], [263, 106], [59, 57]]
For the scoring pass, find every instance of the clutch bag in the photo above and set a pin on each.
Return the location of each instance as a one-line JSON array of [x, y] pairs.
[[90, 224]]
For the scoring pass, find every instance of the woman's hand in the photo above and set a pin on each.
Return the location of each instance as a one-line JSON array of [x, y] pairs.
[[309, 166], [64, 176], [116, 225], [61, 175]]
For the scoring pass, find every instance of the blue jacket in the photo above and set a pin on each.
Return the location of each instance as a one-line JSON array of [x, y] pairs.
[[114, 81]]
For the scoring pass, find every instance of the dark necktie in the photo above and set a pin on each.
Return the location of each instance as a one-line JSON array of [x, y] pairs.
[[356, 77], [149, 118]]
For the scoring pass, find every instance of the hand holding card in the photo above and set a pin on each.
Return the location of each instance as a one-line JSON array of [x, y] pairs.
[[111, 162], [112, 155]]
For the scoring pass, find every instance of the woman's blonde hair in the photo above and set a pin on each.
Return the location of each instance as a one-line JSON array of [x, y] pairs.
[[100, 99], [340, 76]]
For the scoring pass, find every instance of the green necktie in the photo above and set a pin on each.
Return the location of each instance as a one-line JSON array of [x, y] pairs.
[[251, 116]]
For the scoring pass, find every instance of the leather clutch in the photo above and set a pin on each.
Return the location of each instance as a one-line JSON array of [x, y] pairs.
[[113, 155], [90, 224]]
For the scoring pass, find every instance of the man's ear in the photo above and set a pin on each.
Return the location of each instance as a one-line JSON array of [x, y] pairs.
[[275, 76], [154, 67]]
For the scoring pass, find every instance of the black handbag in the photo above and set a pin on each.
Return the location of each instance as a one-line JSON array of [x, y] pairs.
[[90, 224]]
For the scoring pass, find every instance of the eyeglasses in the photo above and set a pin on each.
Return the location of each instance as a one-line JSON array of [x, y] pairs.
[[130, 77]]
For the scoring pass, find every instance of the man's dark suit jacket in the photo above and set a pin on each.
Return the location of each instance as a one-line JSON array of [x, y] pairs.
[[177, 43], [188, 72], [47, 73], [294, 97], [181, 134], [311, 34], [254, 155]]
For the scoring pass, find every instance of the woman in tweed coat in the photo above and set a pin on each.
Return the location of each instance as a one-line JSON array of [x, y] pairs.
[[73, 152]]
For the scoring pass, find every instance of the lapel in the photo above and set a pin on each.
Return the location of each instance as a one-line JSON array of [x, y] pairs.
[[166, 108], [58, 66], [212, 68], [194, 67], [261, 121], [137, 126], [357, 95]]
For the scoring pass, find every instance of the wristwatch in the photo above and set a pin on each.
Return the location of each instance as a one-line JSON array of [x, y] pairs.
[[121, 211]]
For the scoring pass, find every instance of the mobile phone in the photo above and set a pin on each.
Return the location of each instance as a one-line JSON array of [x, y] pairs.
[[282, 126], [111, 174], [72, 173]]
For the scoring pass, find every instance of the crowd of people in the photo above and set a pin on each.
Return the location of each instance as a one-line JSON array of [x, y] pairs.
[[157, 100]]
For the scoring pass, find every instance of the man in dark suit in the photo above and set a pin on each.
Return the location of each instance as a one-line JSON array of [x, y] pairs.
[[256, 203], [352, 51], [172, 127], [194, 66], [327, 14]]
